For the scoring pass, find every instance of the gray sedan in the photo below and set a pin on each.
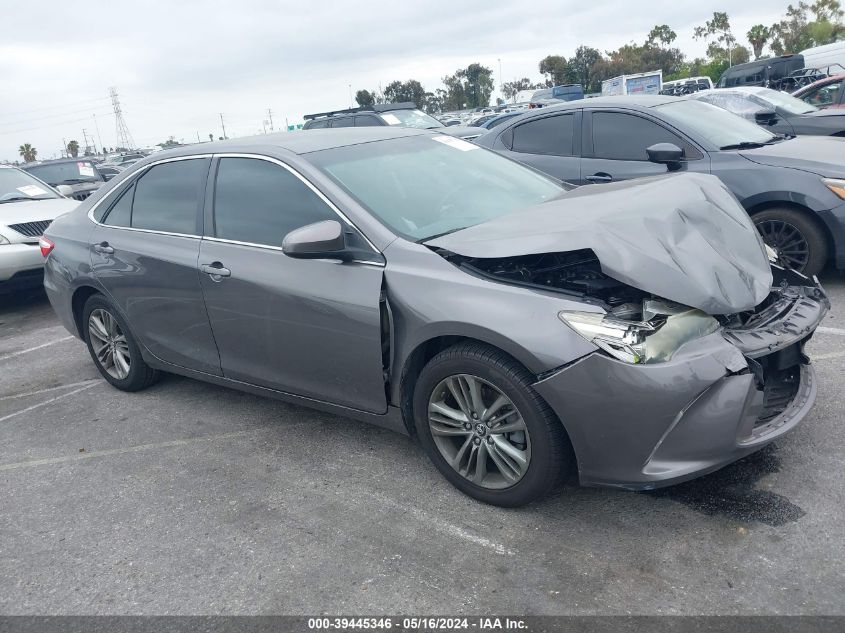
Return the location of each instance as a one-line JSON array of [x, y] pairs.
[[634, 333]]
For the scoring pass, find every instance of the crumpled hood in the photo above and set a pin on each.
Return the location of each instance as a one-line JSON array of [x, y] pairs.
[[822, 155], [681, 237]]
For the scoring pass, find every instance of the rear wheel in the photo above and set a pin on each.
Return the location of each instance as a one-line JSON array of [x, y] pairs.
[[486, 429], [113, 348], [797, 240]]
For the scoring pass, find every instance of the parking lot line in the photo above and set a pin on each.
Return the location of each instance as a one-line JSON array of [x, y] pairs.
[[37, 347], [48, 389], [49, 401], [129, 449], [831, 330]]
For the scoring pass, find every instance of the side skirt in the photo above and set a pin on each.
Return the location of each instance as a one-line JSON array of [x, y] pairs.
[[391, 420]]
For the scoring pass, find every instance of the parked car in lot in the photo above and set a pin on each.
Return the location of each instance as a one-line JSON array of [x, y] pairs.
[[824, 93], [635, 332], [776, 111], [498, 119], [794, 189], [80, 174], [386, 114], [27, 206]]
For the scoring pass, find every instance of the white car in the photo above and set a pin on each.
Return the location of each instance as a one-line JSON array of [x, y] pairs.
[[27, 207]]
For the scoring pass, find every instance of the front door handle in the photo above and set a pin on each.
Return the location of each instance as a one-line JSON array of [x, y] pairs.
[[215, 269], [103, 248], [599, 178]]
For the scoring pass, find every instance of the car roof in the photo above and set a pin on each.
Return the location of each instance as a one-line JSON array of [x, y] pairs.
[[820, 82], [301, 142], [58, 161], [625, 101]]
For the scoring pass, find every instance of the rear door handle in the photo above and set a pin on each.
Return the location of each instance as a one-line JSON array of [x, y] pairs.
[[599, 178], [216, 269], [103, 248]]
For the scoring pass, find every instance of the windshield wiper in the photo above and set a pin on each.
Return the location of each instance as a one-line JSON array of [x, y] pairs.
[[73, 181], [19, 198], [743, 145]]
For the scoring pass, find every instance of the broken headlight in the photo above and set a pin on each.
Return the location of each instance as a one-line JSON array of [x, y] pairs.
[[663, 330]]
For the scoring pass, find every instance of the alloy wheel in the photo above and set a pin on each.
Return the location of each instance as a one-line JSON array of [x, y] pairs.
[[788, 242], [479, 431], [110, 346]]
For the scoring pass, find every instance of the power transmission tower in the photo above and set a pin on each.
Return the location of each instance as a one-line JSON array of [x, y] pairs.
[[124, 138]]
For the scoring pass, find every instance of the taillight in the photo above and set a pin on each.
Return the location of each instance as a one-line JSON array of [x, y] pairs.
[[46, 245]]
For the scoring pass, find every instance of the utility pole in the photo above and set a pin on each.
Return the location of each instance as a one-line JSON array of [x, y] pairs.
[[351, 104], [223, 126], [270, 115], [501, 91], [99, 138], [64, 147], [198, 137]]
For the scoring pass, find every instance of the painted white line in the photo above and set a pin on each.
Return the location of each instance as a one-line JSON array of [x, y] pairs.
[[437, 523], [48, 390], [37, 347], [46, 402], [122, 451], [831, 330], [826, 356]]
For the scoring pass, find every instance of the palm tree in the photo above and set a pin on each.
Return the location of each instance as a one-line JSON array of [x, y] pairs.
[[28, 152], [73, 148], [757, 37]]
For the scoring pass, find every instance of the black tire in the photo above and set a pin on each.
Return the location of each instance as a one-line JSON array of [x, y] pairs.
[[140, 375], [792, 221], [550, 452]]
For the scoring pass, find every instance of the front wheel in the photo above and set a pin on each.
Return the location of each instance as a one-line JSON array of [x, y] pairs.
[[486, 429], [799, 243]]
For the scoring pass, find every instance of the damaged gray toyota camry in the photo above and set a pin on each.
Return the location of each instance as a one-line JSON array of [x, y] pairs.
[[635, 333]]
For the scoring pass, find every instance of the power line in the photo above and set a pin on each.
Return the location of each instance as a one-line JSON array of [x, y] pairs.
[[49, 125], [53, 107]]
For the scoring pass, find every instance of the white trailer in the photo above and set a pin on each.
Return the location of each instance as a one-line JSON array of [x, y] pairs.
[[650, 83]]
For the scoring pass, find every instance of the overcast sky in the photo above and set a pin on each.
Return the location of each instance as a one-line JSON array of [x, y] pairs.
[[177, 64]]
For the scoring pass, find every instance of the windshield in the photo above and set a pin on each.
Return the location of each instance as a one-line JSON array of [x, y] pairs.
[[424, 186], [17, 185], [65, 173], [785, 102], [718, 126], [411, 118]]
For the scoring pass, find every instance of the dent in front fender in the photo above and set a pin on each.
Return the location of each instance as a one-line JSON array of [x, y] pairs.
[[617, 415]]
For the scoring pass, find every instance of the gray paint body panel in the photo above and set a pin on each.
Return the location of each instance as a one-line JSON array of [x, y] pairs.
[[682, 237]]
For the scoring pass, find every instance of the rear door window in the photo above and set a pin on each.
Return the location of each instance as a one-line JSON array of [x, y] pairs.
[[167, 197], [551, 135], [345, 121]]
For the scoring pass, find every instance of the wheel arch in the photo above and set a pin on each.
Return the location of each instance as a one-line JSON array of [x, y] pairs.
[[77, 303], [804, 210], [426, 350]]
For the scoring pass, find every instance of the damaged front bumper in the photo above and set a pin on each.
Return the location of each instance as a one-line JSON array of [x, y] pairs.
[[718, 399]]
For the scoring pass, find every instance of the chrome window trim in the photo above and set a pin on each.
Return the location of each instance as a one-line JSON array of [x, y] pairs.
[[304, 181], [266, 247], [133, 178]]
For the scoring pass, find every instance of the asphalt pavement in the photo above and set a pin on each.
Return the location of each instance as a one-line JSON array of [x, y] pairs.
[[189, 498]]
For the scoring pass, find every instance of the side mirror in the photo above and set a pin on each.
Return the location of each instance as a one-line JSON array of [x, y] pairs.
[[64, 190], [321, 240], [765, 117], [666, 153]]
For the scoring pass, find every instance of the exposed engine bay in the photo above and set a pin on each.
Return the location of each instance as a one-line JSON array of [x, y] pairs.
[[639, 327], [577, 273]]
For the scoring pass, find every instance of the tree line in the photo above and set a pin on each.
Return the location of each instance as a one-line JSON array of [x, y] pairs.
[[804, 25]]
